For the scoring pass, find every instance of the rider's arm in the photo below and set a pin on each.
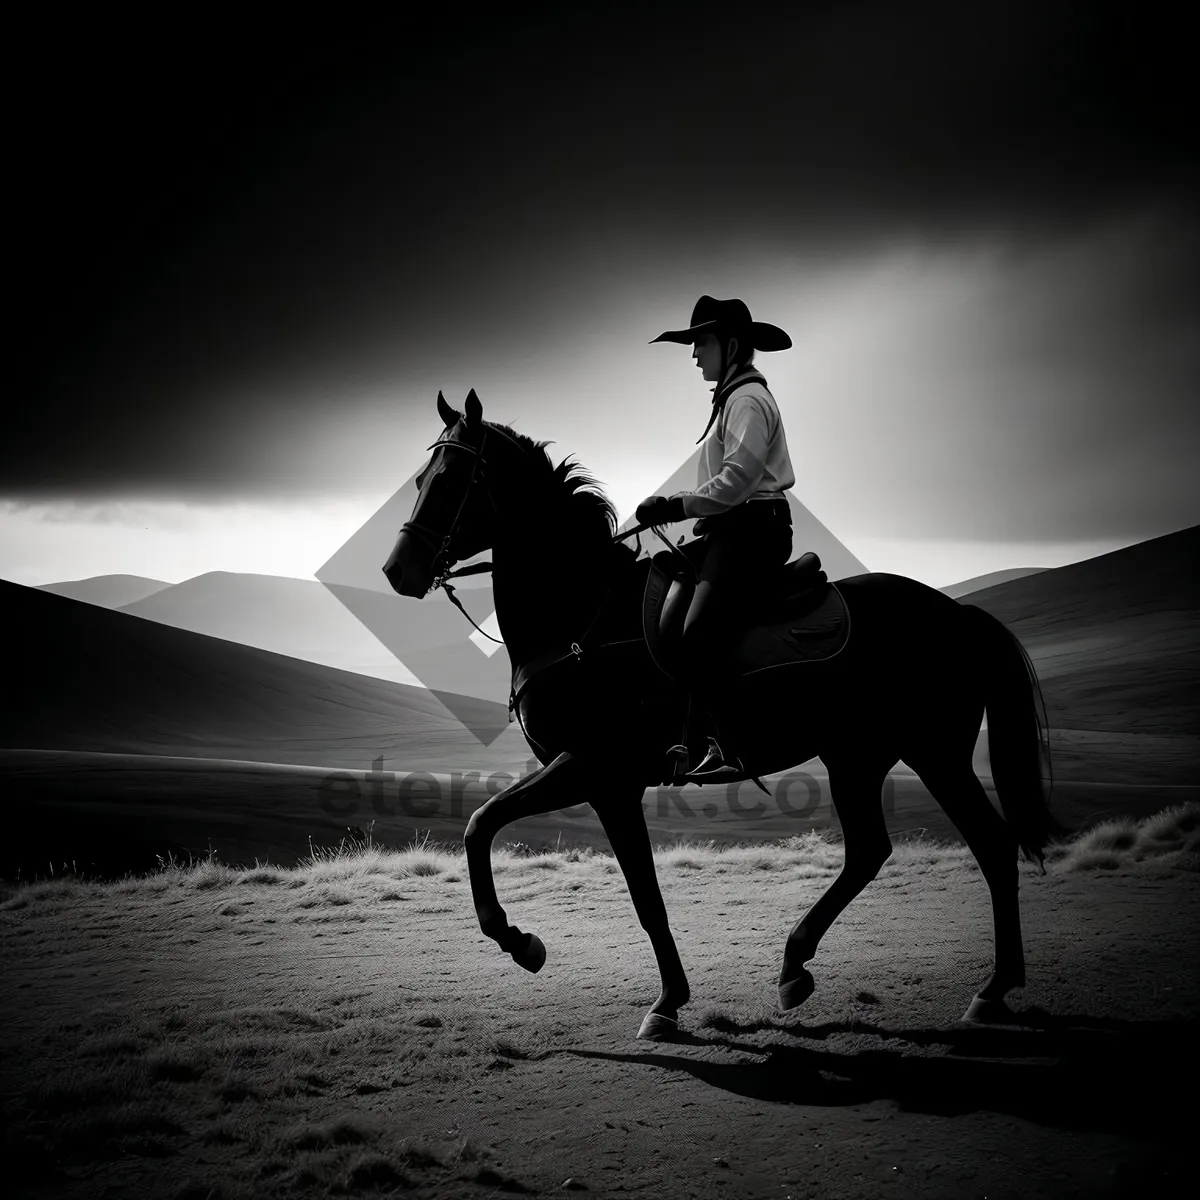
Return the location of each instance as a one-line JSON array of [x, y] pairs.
[[747, 438]]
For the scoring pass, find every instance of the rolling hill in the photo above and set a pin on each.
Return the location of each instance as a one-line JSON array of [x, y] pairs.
[[123, 736], [297, 617], [957, 591], [109, 591], [80, 677], [1116, 639]]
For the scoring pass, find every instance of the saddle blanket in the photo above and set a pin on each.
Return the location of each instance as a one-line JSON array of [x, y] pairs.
[[815, 627]]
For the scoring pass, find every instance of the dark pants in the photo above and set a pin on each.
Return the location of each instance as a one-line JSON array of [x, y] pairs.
[[739, 556]]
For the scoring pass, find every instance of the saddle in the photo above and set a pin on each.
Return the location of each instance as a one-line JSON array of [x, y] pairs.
[[801, 618]]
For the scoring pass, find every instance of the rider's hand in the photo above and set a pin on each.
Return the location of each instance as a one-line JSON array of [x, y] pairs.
[[659, 510]]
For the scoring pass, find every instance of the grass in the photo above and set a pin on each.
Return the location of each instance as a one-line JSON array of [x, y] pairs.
[[1170, 837], [286, 1065], [1172, 834]]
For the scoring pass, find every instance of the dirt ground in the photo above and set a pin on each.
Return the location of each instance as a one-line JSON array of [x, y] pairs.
[[341, 1031]]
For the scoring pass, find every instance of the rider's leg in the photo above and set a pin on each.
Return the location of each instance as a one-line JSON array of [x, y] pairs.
[[714, 620], [740, 561], [678, 754]]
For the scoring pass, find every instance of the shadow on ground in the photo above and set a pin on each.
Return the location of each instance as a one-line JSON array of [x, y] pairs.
[[1068, 1072]]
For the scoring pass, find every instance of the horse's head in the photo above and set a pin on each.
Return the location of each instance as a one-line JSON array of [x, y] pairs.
[[454, 515]]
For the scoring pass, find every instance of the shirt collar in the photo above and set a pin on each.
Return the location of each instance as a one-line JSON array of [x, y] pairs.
[[722, 391]]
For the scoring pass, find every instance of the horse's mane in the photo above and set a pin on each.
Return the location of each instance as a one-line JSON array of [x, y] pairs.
[[582, 491]]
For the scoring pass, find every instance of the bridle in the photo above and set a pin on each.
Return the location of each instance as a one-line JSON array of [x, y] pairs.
[[440, 542]]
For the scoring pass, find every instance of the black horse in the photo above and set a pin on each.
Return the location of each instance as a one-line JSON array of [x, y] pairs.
[[912, 682]]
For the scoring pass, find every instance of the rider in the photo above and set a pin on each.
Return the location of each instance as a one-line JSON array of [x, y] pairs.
[[745, 526]]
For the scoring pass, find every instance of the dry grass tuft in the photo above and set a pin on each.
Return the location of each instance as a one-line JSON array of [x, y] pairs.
[[687, 856], [347, 1130], [507, 1049], [424, 865], [263, 873], [210, 874], [1170, 837], [132, 1128], [372, 1172], [721, 1019]]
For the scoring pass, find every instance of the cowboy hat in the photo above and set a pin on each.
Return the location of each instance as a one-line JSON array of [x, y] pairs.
[[727, 316]]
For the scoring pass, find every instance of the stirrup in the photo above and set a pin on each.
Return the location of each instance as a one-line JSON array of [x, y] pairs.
[[715, 766], [714, 760], [722, 769], [678, 753], [677, 764]]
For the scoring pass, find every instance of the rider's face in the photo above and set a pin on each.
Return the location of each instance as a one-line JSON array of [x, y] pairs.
[[707, 353]]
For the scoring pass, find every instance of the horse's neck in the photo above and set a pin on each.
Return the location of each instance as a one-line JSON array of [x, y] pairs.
[[545, 592]]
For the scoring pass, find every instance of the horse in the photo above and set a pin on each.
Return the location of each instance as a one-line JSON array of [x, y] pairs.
[[911, 681]]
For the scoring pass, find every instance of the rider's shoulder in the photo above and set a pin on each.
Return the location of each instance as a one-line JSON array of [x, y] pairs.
[[753, 393]]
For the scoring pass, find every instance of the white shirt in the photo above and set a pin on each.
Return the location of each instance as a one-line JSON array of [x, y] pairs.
[[744, 457]]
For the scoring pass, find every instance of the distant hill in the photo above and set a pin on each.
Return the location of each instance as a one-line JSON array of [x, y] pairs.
[[368, 630], [80, 677], [297, 617], [957, 590], [109, 591], [1115, 639]]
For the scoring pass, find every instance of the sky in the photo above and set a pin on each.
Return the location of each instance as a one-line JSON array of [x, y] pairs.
[[247, 264]]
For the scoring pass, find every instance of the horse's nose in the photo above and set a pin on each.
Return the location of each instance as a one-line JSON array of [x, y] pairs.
[[403, 569]]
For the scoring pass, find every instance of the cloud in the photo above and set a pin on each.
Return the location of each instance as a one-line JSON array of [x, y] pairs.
[[123, 513], [267, 289], [44, 542]]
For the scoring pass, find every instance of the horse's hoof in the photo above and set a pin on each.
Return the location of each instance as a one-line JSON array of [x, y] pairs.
[[533, 956], [794, 992], [657, 1028], [988, 1012]]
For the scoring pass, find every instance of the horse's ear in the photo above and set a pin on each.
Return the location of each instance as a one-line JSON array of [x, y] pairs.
[[448, 415], [474, 408]]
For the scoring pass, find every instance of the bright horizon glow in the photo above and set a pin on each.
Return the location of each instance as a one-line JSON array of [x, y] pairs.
[[173, 541], [940, 402]]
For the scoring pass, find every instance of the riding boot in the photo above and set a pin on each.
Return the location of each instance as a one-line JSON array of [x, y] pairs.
[[679, 755], [706, 678], [716, 765]]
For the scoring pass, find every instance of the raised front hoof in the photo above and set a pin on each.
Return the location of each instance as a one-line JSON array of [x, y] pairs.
[[657, 1028], [794, 992], [988, 1012], [532, 955]]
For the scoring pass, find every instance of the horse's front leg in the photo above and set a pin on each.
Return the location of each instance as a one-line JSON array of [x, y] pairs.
[[546, 790], [625, 824]]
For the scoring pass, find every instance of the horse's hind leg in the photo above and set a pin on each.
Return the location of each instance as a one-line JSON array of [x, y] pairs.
[[857, 788], [955, 786]]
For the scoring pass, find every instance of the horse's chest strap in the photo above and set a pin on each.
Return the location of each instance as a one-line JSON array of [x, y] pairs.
[[530, 671]]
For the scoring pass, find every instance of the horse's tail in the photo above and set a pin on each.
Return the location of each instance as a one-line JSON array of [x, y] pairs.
[[1018, 735]]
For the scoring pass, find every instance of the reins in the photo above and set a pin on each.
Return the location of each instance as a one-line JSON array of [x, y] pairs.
[[523, 676], [441, 580], [480, 567]]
